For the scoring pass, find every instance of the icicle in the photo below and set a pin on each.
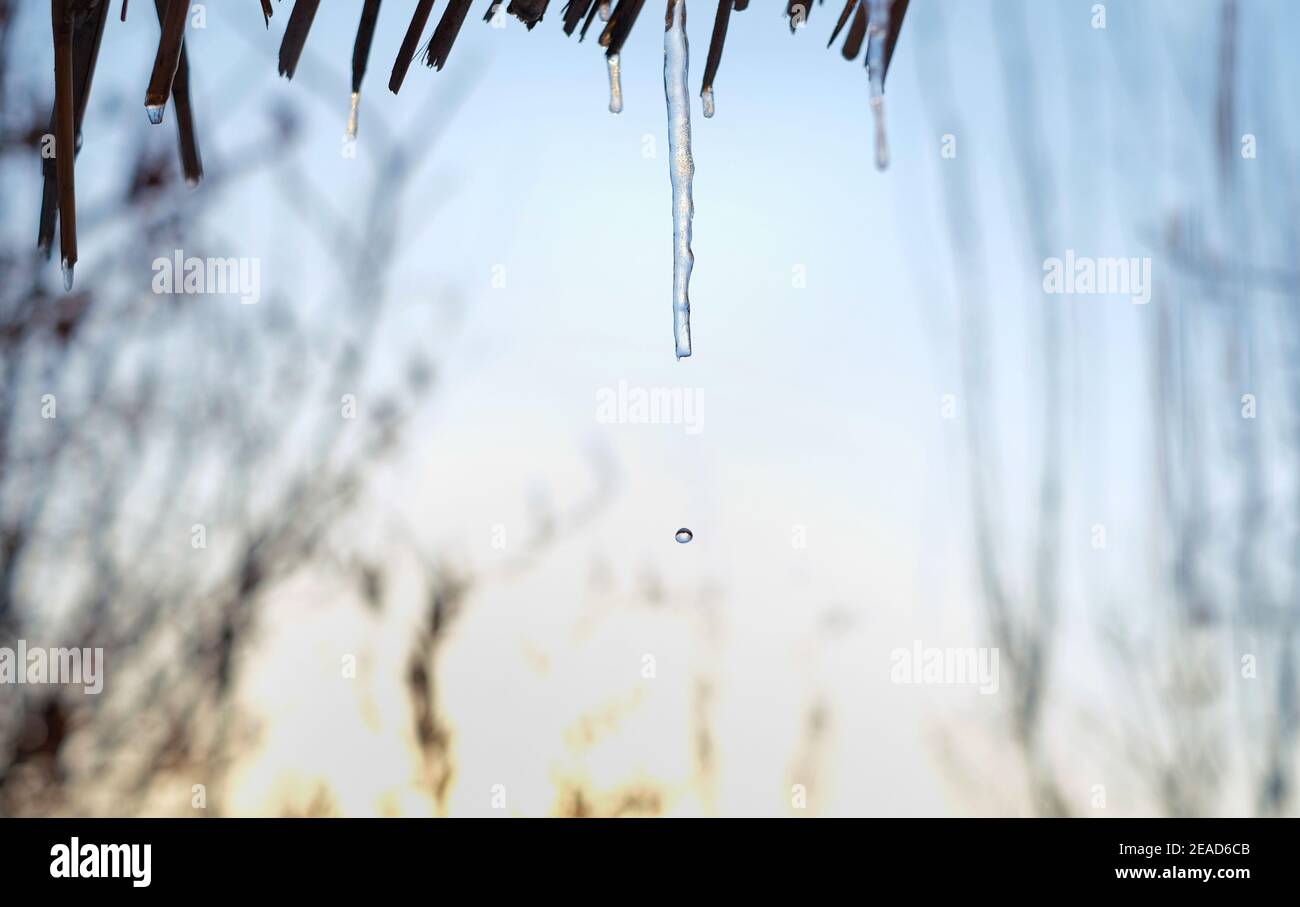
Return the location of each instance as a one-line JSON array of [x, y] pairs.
[[155, 112], [707, 98], [681, 169], [353, 116], [615, 85], [68, 268], [877, 32]]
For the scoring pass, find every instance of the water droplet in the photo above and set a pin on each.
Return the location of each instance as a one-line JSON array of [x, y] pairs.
[[604, 10], [684, 535], [67, 274], [155, 112], [615, 85], [707, 98]]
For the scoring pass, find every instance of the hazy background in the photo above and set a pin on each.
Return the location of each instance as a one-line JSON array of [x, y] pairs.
[[919, 444]]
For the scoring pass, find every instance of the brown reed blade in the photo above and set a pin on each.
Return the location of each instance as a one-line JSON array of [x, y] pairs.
[[187, 139], [85, 55], [714, 58], [897, 11], [444, 34], [529, 12], [857, 33], [167, 59], [65, 130], [620, 25], [574, 11], [365, 37], [849, 6], [412, 40], [295, 35]]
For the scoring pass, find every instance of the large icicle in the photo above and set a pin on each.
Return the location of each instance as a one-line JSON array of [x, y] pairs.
[[681, 169], [877, 36]]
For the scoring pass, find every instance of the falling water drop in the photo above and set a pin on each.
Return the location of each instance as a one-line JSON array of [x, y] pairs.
[[681, 170], [615, 85], [707, 99], [155, 112], [877, 35], [684, 535], [68, 268], [353, 116]]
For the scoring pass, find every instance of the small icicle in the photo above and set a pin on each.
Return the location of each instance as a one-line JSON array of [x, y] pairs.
[[353, 116], [155, 112], [882, 140], [681, 169], [68, 268], [877, 33], [615, 85], [707, 98]]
